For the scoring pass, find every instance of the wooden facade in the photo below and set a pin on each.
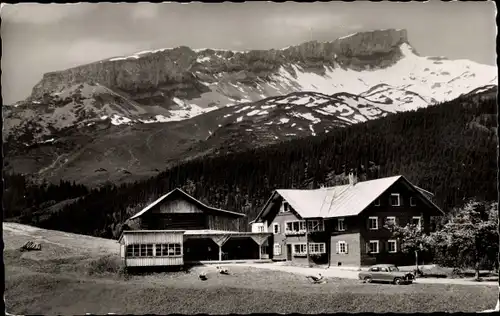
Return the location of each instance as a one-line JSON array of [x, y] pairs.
[[177, 228], [152, 248], [179, 212], [144, 248]]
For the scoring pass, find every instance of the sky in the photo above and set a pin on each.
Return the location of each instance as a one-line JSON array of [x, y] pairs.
[[41, 38]]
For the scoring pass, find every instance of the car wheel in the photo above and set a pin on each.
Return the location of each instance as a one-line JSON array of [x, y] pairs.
[[398, 281], [367, 280]]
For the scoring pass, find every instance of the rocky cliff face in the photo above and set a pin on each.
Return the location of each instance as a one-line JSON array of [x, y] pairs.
[[179, 83], [155, 77], [91, 123]]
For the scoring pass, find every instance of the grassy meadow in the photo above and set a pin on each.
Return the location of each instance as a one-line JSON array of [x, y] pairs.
[[64, 278]]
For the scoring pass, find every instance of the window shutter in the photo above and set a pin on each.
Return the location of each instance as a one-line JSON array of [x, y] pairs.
[[338, 247], [346, 248], [367, 247]]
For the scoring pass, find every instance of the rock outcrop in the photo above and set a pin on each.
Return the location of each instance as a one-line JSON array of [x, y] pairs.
[[154, 78]]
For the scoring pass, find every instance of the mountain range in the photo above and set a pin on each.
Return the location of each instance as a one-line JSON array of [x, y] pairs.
[[127, 118]]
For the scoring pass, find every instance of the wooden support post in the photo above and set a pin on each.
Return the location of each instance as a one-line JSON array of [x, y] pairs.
[[259, 240], [307, 245], [220, 241]]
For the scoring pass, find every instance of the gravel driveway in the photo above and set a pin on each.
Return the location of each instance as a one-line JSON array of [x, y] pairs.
[[334, 272]]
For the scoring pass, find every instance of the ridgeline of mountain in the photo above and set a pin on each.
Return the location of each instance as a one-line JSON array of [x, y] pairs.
[[173, 84], [154, 77], [125, 118]]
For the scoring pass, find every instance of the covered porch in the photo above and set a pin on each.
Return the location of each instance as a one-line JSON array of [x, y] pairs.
[[212, 246]]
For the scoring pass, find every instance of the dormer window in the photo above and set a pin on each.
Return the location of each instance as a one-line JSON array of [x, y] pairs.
[[413, 201], [284, 207], [377, 202], [395, 199]]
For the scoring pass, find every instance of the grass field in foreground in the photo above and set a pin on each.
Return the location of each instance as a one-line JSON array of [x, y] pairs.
[[56, 280], [246, 291]]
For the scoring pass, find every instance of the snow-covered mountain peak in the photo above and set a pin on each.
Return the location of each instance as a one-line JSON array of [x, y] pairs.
[[171, 84]]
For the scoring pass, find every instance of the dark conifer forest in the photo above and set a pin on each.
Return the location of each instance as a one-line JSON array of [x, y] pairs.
[[449, 149]]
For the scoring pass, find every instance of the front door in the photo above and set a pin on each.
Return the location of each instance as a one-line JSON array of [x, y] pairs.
[[289, 252]]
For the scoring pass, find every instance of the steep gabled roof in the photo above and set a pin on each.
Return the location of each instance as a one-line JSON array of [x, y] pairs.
[[339, 201], [188, 197]]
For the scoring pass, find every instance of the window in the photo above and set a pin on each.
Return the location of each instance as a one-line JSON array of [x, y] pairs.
[[299, 249], [166, 250], [395, 199], [144, 250], [260, 228], [277, 250], [392, 246], [295, 227], [285, 207], [373, 246], [413, 201], [131, 250], [316, 248], [373, 223], [342, 247], [149, 250], [390, 220], [375, 269], [417, 221], [384, 269], [340, 225], [276, 228], [377, 202], [315, 225]]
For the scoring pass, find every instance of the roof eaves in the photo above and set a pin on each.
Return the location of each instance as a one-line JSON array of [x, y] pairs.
[[264, 207], [150, 206], [424, 196], [208, 207], [419, 188]]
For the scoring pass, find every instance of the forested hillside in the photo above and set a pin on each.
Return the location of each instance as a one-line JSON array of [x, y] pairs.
[[449, 149]]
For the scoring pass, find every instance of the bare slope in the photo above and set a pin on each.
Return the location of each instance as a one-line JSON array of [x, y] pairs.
[[99, 152]]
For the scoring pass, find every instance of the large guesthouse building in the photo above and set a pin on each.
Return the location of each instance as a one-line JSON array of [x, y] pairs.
[[344, 225]]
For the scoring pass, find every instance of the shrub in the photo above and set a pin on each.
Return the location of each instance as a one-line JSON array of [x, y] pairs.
[[105, 264]]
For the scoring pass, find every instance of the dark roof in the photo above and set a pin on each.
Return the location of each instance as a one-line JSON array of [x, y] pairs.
[[190, 198]]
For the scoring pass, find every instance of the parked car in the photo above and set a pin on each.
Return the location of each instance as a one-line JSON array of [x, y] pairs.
[[386, 273]]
